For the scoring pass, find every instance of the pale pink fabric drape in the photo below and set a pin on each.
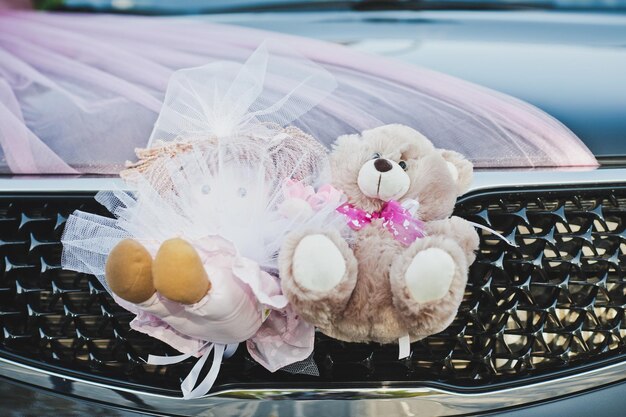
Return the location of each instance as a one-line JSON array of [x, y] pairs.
[[79, 92]]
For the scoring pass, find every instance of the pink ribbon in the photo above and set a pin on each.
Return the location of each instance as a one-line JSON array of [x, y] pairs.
[[397, 220]]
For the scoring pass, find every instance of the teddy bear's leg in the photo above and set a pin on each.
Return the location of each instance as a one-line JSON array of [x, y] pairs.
[[178, 272], [428, 282], [128, 271], [318, 273]]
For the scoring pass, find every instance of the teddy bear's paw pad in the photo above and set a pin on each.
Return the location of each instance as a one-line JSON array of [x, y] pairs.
[[128, 271], [430, 275], [178, 272], [318, 264]]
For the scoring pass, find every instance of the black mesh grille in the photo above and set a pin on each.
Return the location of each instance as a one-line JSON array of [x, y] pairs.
[[557, 301]]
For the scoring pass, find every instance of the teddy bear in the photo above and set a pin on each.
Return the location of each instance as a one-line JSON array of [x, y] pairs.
[[403, 274]]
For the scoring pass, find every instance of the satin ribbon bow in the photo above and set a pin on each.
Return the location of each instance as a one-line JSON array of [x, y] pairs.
[[187, 386], [396, 219]]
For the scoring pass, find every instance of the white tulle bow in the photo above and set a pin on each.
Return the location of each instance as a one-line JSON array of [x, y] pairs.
[[226, 98]]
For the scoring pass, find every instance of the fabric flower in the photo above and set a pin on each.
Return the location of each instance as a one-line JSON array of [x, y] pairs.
[[302, 200]]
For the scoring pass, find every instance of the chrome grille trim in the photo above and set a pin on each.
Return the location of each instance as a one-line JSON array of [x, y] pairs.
[[500, 179], [423, 401], [483, 180]]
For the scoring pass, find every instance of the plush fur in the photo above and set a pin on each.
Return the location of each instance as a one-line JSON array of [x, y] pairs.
[[372, 301]]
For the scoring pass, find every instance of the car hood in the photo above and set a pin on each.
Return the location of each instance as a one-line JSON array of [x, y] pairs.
[[570, 64]]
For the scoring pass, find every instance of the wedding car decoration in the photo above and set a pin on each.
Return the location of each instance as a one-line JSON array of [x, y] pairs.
[[236, 226], [192, 250]]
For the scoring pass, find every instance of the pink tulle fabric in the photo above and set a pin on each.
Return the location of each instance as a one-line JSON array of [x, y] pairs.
[[398, 221], [79, 92]]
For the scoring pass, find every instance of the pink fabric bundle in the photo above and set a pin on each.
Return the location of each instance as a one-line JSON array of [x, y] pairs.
[[245, 304], [79, 92]]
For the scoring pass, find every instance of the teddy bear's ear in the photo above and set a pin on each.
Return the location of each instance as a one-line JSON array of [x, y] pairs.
[[347, 142], [460, 168]]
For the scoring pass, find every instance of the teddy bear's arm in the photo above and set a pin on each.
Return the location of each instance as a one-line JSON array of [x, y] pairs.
[[459, 230]]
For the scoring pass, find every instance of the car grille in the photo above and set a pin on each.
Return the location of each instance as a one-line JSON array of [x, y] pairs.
[[555, 302]]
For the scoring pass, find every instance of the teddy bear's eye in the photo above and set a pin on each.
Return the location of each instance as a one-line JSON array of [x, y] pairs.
[[375, 155], [402, 165]]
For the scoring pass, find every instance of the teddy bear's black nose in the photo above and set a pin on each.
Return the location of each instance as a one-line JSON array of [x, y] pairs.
[[382, 165]]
